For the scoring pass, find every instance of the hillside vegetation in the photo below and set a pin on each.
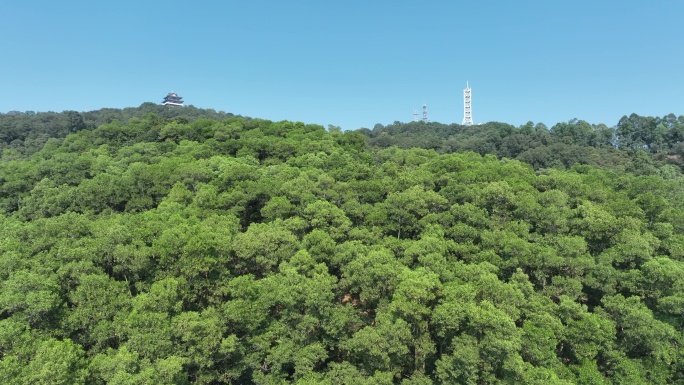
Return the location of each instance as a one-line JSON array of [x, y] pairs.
[[228, 250], [641, 145]]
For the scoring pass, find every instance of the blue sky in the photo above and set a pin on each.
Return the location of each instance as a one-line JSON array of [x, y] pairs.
[[349, 63]]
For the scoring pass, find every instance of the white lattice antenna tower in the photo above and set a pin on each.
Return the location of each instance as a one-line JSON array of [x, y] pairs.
[[425, 119], [415, 115], [467, 107]]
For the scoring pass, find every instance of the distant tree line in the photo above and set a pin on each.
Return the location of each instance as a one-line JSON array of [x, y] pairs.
[[638, 144], [28, 131]]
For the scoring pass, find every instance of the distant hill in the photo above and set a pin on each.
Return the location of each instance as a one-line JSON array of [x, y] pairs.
[[28, 131], [642, 145]]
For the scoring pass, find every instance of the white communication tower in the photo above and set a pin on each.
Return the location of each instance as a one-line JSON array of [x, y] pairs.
[[467, 107], [425, 118], [415, 115]]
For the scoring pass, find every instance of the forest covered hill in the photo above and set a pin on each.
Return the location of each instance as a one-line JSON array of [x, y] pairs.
[[28, 131], [217, 249], [643, 145]]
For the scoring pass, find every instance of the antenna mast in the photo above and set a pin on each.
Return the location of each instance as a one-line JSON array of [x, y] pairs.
[[425, 119], [467, 108], [415, 115]]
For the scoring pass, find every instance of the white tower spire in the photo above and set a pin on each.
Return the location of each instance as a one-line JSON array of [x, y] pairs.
[[425, 118], [467, 107]]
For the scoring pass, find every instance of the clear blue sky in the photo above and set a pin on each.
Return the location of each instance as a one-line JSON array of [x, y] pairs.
[[349, 63]]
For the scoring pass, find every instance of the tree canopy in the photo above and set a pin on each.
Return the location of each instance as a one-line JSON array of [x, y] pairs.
[[640, 145], [230, 250]]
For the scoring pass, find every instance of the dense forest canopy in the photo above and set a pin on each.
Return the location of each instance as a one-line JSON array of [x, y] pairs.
[[28, 131], [637, 144], [178, 246]]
